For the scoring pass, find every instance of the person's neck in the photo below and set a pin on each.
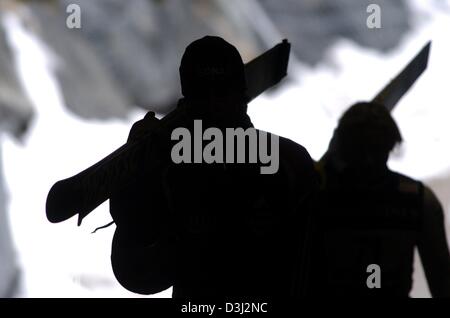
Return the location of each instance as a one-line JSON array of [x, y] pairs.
[[234, 116]]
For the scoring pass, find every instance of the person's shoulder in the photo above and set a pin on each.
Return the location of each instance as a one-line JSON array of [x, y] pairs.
[[296, 159], [402, 176], [291, 150], [407, 184], [431, 201], [289, 146], [286, 145], [411, 185]]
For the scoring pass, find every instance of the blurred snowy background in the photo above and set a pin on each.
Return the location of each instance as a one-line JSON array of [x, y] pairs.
[[69, 96]]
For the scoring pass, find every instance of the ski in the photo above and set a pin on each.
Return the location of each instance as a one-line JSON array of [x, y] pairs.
[[397, 88], [85, 191]]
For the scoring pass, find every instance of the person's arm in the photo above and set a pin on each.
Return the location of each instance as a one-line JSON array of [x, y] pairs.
[[433, 246], [304, 187]]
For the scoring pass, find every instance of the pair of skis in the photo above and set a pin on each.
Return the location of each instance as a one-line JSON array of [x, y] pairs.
[[85, 191], [82, 193]]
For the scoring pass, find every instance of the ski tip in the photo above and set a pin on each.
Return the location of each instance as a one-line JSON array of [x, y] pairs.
[[56, 207], [390, 95], [426, 51]]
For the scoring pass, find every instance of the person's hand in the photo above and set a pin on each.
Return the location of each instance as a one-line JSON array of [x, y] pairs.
[[142, 127]]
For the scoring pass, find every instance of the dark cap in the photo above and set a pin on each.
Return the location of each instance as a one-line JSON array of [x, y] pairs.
[[211, 65]]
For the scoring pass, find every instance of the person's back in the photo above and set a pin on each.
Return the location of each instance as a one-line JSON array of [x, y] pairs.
[[372, 218], [238, 231], [214, 222], [235, 224]]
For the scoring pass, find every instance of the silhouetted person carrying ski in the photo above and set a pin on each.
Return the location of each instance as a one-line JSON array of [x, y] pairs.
[[371, 218], [220, 216]]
